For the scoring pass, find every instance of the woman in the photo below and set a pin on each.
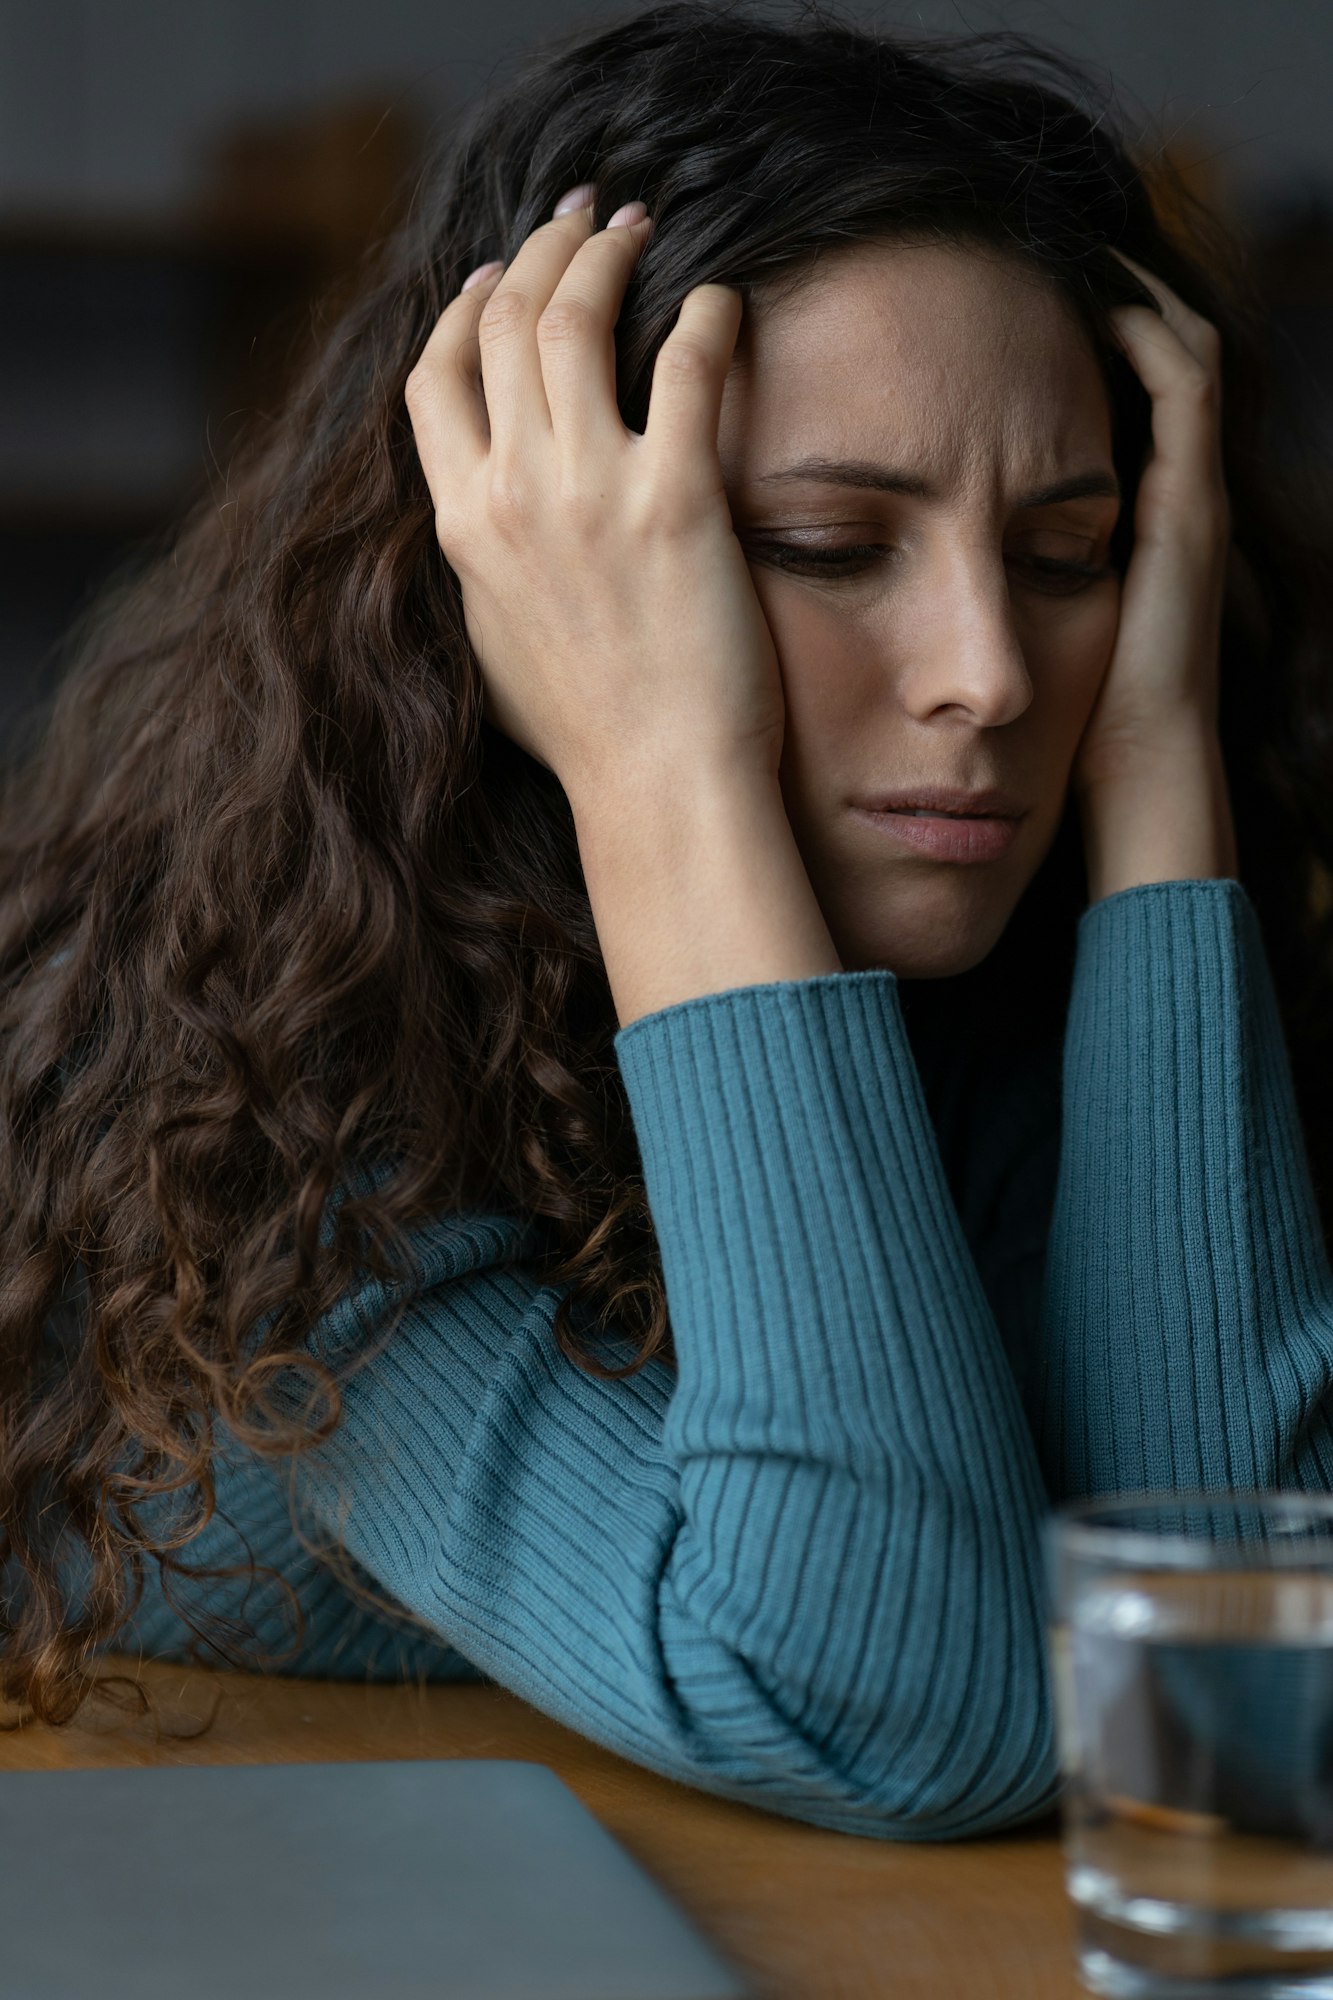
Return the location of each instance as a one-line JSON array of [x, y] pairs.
[[448, 923]]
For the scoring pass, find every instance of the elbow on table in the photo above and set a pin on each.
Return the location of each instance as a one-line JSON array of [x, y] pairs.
[[962, 1806], [984, 1765], [867, 1732], [954, 1756], [973, 1818]]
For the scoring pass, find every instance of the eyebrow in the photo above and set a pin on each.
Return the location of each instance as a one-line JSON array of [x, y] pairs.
[[889, 479]]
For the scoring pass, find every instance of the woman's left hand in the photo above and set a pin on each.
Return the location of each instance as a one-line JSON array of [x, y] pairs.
[[1160, 687]]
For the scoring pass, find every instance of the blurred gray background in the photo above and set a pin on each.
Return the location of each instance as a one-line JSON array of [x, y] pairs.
[[179, 177]]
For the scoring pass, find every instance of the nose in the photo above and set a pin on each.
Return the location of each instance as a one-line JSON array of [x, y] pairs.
[[965, 652]]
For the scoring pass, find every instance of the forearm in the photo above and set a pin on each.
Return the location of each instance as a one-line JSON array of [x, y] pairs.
[[1187, 1324], [1167, 819], [697, 885]]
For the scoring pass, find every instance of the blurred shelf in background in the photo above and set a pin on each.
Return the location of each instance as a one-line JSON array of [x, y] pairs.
[[131, 351]]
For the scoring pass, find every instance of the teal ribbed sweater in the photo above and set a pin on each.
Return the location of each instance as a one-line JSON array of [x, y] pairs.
[[804, 1571]]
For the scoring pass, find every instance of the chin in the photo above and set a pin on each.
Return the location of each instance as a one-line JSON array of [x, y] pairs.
[[936, 964], [925, 942]]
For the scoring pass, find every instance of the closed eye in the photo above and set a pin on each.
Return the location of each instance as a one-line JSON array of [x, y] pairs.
[[1046, 572]]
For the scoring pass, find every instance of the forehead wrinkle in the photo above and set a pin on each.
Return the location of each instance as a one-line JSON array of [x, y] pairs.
[[1013, 397], [870, 475], [1007, 449]]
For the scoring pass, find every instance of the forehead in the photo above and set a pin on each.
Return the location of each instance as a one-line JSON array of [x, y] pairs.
[[954, 353]]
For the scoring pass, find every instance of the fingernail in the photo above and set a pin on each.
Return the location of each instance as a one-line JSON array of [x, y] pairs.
[[482, 271], [578, 197], [633, 211]]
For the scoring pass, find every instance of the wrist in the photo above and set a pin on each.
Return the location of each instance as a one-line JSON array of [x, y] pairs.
[[1165, 818], [697, 885]]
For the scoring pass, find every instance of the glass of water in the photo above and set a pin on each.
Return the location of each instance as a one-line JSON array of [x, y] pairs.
[[1192, 1651]]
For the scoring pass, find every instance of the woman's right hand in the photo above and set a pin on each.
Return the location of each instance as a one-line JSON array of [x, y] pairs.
[[606, 596]]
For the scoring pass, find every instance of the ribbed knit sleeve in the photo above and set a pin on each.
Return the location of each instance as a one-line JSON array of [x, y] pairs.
[[802, 1571], [1186, 1331], [852, 1453]]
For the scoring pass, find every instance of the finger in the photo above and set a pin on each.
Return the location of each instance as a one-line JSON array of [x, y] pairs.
[[1186, 400], [482, 271], [1199, 335], [443, 391], [511, 362], [689, 376], [576, 337]]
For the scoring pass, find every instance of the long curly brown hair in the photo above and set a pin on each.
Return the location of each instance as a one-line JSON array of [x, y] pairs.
[[295, 948]]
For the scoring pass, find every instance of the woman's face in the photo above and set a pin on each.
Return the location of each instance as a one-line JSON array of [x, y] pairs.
[[950, 658]]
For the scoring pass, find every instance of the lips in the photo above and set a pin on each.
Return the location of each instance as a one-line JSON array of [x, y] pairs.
[[953, 837], [949, 801]]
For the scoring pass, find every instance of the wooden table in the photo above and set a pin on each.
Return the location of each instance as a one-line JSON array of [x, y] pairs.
[[805, 1914]]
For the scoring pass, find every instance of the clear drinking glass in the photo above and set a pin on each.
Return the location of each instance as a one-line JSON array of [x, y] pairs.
[[1192, 1651]]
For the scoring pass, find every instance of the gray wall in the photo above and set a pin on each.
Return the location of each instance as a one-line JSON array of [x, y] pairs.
[[103, 103]]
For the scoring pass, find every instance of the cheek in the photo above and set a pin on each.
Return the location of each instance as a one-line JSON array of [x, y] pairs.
[[1069, 648], [819, 651], [833, 687]]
